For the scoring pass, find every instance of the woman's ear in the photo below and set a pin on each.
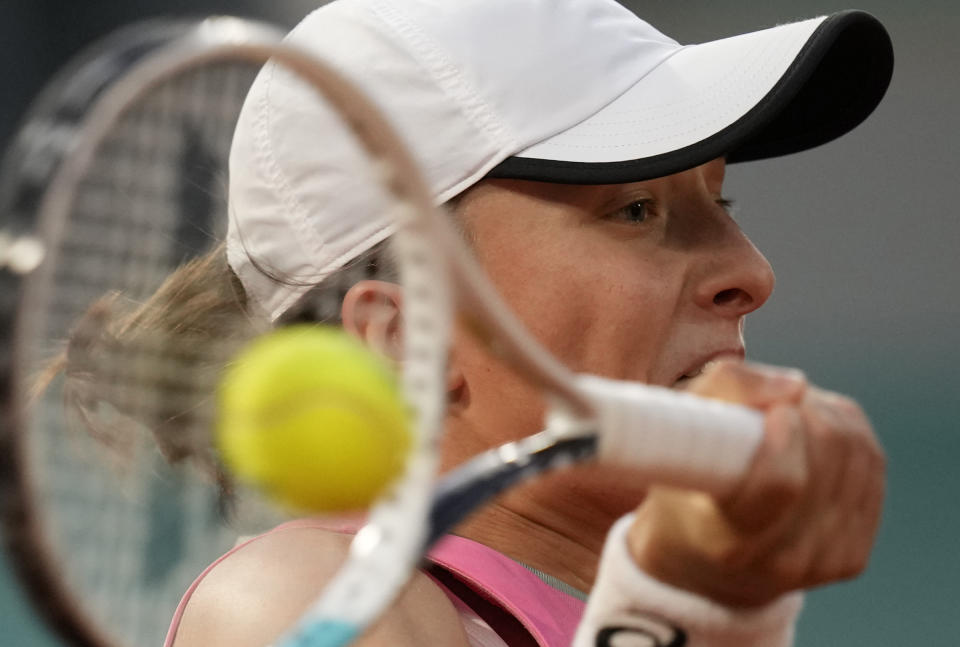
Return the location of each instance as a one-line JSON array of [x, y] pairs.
[[371, 312]]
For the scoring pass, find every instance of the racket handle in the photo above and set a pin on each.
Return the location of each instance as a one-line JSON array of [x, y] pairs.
[[672, 437]]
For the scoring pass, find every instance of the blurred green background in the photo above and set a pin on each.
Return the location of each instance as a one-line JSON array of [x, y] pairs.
[[863, 234]]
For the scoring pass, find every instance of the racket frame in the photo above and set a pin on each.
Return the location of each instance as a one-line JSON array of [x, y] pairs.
[[56, 140]]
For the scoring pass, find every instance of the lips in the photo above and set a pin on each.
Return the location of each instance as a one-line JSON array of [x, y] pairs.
[[700, 364]]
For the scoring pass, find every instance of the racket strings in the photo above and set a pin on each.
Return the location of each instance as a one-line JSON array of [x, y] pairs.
[[138, 376]]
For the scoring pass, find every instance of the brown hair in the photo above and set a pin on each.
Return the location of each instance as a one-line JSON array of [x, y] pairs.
[[171, 350], [166, 345]]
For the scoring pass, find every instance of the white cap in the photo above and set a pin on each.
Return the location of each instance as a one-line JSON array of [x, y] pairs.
[[573, 91]]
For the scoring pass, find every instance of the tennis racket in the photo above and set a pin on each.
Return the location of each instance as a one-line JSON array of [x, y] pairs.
[[115, 182], [117, 177]]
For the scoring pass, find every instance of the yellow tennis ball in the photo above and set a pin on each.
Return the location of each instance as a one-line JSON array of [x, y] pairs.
[[314, 418]]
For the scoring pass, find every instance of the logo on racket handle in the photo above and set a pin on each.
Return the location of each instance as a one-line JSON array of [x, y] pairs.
[[640, 631]]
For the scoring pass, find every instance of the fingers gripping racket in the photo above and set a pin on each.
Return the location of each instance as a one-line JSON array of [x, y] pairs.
[[116, 181]]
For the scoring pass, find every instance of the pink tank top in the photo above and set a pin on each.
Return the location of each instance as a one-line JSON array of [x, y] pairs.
[[518, 605]]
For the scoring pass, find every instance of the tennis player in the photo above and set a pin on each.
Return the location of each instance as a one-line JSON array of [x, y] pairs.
[[583, 154]]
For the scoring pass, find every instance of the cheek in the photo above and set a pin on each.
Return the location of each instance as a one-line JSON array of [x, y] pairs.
[[496, 406], [599, 306]]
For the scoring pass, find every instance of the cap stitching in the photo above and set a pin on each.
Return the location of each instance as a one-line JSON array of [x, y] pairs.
[[445, 73], [268, 163]]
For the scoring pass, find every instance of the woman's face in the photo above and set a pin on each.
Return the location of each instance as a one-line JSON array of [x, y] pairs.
[[645, 281]]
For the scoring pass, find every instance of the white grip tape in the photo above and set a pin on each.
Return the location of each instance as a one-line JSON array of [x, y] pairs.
[[672, 437]]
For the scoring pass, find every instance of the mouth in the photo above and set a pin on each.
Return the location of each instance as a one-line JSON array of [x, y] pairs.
[[700, 365]]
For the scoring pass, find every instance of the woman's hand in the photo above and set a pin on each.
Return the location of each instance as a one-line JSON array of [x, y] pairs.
[[806, 514]]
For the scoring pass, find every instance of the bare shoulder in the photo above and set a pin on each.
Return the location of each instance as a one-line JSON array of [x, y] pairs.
[[251, 597]]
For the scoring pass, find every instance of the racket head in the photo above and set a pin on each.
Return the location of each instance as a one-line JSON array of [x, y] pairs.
[[119, 173]]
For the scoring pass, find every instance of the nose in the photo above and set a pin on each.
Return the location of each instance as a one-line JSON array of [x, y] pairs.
[[736, 278]]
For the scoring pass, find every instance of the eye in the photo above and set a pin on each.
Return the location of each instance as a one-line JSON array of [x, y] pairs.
[[635, 213], [727, 205]]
